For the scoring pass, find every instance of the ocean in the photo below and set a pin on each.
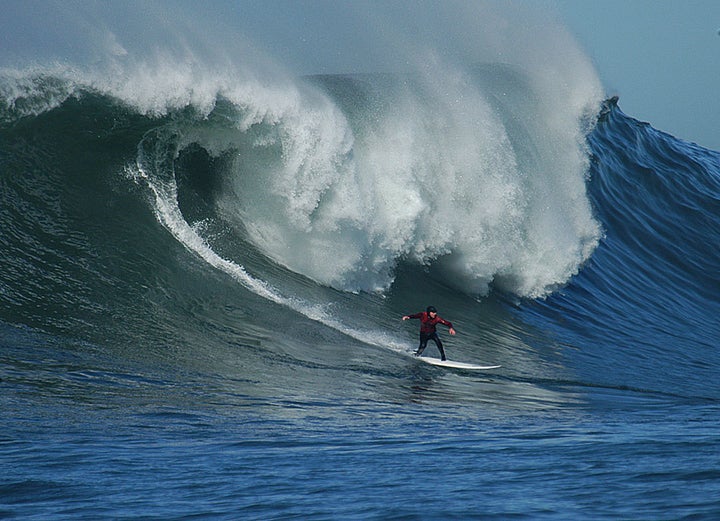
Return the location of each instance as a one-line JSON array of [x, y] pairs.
[[204, 274]]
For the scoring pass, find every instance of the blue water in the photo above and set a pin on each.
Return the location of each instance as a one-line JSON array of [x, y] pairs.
[[203, 281]]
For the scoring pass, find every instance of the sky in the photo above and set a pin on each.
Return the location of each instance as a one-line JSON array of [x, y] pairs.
[[661, 57]]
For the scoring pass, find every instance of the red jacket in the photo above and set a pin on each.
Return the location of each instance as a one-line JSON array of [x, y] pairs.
[[428, 324]]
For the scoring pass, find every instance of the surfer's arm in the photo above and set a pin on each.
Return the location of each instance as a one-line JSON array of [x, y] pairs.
[[416, 315], [448, 324]]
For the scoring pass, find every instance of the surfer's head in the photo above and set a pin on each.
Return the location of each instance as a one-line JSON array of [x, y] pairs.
[[431, 309]]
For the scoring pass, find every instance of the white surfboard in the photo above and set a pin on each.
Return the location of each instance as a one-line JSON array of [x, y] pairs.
[[456, 365]]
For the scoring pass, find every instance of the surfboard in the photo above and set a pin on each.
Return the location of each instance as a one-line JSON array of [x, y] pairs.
[[457, 365]]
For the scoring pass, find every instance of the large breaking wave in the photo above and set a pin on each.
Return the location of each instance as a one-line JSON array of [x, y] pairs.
[[475, 171]]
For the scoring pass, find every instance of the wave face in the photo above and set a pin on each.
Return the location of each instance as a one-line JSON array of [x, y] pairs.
[[650, 289], [140, 187], [339, 180], [363, 184]]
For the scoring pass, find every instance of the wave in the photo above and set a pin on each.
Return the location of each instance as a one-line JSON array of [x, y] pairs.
[[492, 189], [643, 308], [341, 194], [478, 172]]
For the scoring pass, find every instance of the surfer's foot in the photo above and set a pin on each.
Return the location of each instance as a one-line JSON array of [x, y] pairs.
[[443, 359]]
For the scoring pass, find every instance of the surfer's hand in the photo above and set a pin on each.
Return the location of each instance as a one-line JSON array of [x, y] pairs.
[[452, 331], [406, 317]]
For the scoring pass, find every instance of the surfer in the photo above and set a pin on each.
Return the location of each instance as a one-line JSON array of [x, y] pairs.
[[428, 320]]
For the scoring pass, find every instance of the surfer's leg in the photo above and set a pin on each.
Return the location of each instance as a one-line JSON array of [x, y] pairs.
[[439, 345], [423, 344]]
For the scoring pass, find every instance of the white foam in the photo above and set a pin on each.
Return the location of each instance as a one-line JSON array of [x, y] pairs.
[[435, 180]]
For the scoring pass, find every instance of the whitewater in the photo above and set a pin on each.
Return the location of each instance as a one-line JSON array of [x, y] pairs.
[[206, 255]]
